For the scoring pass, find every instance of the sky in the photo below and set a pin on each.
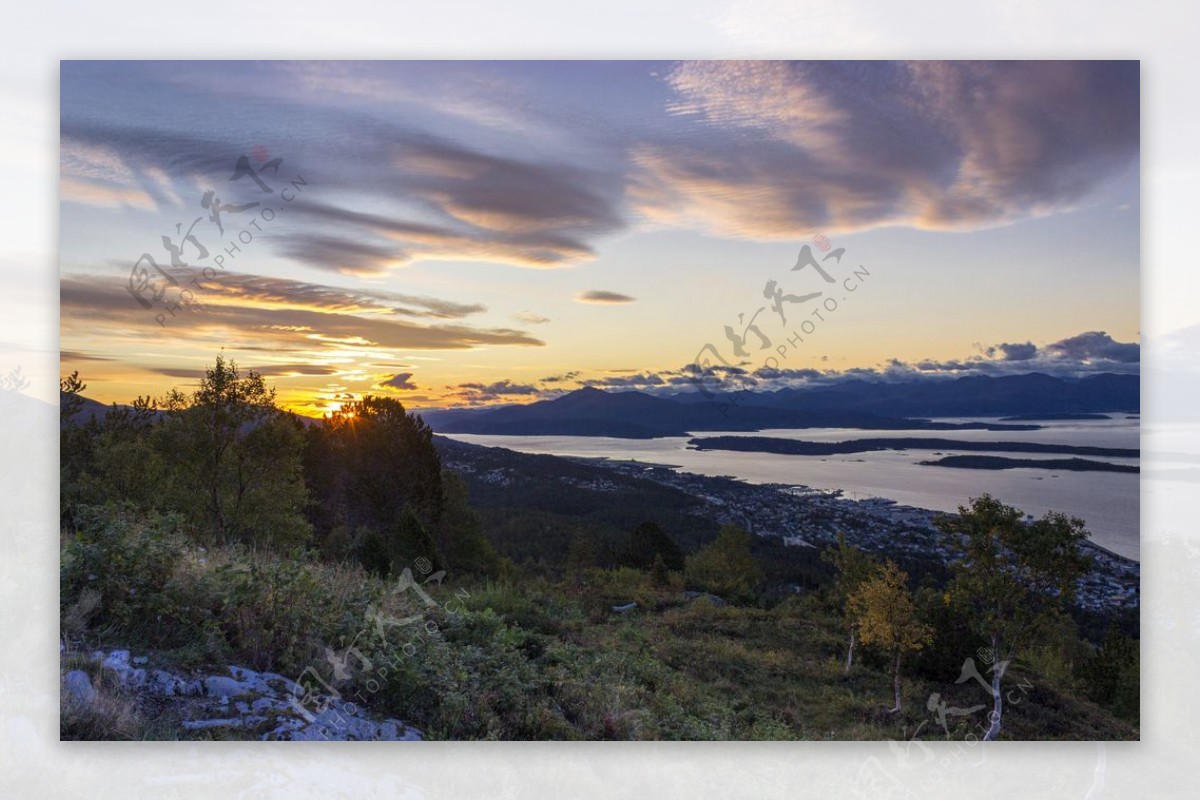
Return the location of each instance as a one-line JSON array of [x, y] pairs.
[[468, 233]]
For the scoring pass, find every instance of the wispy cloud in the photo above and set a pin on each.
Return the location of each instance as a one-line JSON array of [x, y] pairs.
[[429, 196], [282, 315], [530, 317], [840, 146], [603, 297]]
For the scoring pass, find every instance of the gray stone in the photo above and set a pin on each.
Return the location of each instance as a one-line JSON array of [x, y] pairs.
[[224, 687], [79, 688], [244, 699], [163, 683], [223, 723], [290, 687]]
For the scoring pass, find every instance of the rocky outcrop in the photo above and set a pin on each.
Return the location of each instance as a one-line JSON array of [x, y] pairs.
[[245, 703]]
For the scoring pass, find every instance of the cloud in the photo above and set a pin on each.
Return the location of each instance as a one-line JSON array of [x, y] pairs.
[[558, 379], [475, 392], [81, 356], [293, 369], [778, 374], [1095, 346], [246, 312], [339, 255], [231, 288], [399, 381], [530, 317], [506, 194], [430, 197], [602, 296], [1014, 351], [636, 381], [457, 241], [795, 148], [1079, 356]]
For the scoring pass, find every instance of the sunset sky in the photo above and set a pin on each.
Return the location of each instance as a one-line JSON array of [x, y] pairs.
[[492, 232]]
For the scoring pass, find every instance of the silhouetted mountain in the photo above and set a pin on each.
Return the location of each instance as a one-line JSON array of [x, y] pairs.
[[971, 396], [88, 410], [593, 412]]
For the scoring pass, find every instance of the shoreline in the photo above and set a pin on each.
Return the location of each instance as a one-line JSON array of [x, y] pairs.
[[809, 490]]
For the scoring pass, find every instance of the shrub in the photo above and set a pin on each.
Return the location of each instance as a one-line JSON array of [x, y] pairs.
[[725, 566], [126, 557]]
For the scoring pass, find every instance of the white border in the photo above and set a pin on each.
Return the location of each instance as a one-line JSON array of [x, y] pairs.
[[32, 761]]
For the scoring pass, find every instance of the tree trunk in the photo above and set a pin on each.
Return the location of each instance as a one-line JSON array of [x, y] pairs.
[[850, 653], [896, 683], [997, 702]]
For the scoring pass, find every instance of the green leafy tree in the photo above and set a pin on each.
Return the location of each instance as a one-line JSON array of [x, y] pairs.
[[367, 462], [1009, 574], [646, 542], [412, 541], [127, 459], [659, 575], [581, 555], [886, 617], [725, 566], [373, 552], [236, 459], [854, 566], [1111, 674], [76, 448], [70, 397], [460, 539]]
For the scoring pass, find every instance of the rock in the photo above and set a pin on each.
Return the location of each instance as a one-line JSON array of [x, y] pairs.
[[339, 723], [287, 685], [629, 607], [119, 656], [79, 688], [265, 704], [163, 683], [224, 687], [712, 599], [244, 700], [118, 662], [223, 722]]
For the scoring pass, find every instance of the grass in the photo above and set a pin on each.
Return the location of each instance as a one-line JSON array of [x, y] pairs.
[[524, 659]]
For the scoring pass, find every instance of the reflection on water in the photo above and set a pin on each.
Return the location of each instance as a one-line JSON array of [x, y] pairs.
[[1107, 502]]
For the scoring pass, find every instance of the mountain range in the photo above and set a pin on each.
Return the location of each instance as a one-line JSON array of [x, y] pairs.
[[852, 404]]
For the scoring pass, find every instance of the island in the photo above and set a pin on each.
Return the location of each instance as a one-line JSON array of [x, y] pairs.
[[1050, 416], [1005, 463], [800, 447]]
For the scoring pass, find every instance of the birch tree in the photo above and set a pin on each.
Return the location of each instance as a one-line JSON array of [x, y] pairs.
[[1009, 574], [886, 618]]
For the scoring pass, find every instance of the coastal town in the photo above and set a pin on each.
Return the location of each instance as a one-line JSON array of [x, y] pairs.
[[805, 517], [799, 516]]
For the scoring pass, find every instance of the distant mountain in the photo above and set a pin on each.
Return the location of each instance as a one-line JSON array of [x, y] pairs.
[[853, 404], [88, 410], [593, 412], [971, 396]]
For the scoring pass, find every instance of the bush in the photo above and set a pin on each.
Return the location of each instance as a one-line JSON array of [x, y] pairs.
[[279, 613], [725, 567], [126, 557]]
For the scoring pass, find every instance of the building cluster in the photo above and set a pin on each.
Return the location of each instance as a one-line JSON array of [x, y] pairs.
[[805, 517]]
